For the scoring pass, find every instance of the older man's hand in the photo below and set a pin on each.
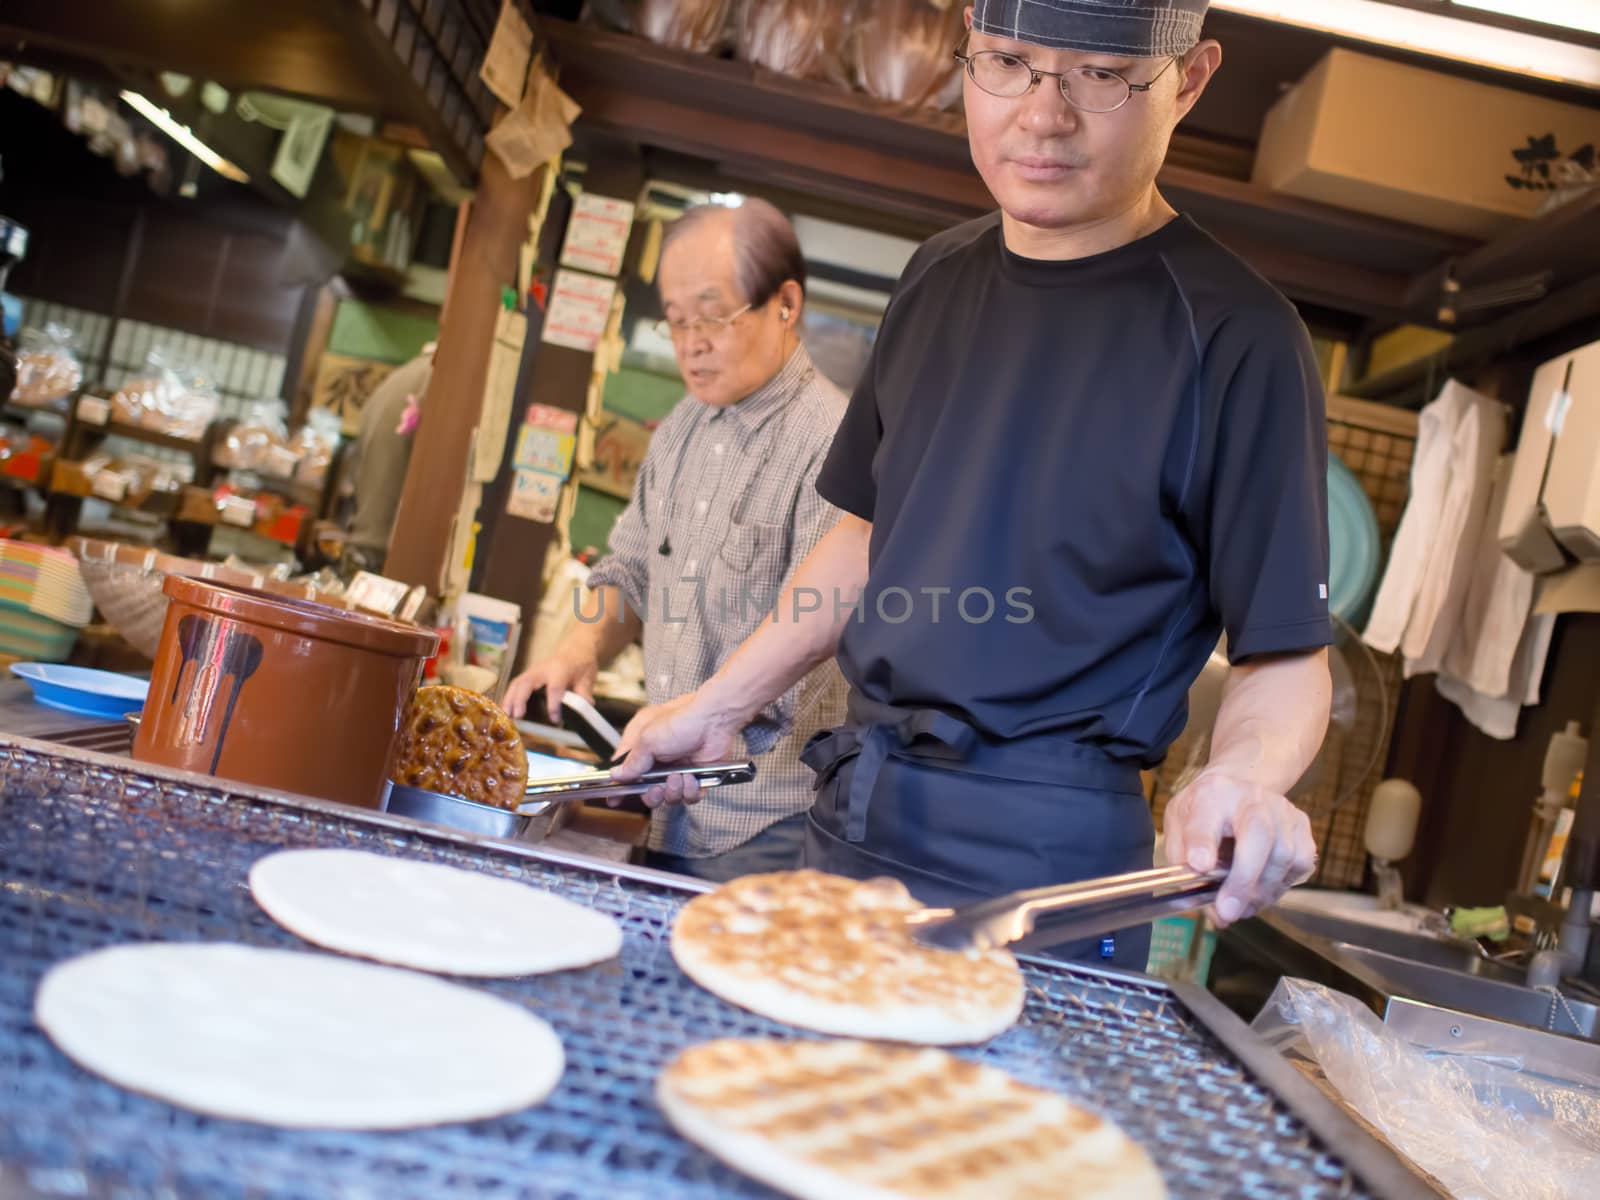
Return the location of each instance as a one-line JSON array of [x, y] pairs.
[[1272, 844]]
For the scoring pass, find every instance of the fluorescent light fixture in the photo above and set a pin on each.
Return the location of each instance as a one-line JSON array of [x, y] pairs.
[[1572, 14], [1458, 38], [184, 136]]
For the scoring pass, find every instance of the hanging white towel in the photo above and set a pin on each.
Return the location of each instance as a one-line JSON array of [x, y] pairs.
[[1499, 603], [1497, 715], [1424, 591], [1496, 662]]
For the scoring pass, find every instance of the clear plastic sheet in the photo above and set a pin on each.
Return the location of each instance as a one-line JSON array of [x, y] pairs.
[[257, 441], [804, 39], [1483, 1128], [173, 397], [48, 369], [314, 444], [903, 48]]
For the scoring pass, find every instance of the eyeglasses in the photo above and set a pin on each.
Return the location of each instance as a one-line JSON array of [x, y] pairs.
[[1092, 89], [711, 327]]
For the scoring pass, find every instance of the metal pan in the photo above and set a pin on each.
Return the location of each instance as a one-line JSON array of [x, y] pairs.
[[530, 822], [548, 804]]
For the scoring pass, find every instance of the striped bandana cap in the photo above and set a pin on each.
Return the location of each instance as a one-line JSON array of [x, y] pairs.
[[1131, 28]]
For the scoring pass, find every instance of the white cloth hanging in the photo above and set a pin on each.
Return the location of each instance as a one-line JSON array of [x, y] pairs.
[[1496, 662], [1424, 590]]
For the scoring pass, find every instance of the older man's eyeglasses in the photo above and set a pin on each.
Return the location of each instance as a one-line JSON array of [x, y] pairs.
[[1092, 89], [710, 327]]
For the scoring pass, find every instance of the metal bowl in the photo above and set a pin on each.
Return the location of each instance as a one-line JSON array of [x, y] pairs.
[[471, 817]]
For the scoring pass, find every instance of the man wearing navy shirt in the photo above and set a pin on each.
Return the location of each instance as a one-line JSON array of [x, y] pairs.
[[1089, 440]]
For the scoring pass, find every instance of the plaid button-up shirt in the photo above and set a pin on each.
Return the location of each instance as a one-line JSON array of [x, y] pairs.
[[724, 509]]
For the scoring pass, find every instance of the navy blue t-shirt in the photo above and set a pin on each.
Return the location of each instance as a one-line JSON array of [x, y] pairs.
[[1077, 474]]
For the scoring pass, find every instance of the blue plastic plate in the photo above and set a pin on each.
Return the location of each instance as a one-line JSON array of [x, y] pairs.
[[1353, 545], [82, 691]]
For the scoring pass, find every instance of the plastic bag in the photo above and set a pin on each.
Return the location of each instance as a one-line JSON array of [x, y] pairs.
[[47, 368], [800, 38], [902, 50], [258, 441], [1481, 1128], [313, 445], [697, 25], [173, 398]]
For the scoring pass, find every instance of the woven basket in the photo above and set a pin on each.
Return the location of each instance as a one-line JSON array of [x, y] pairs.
[[126, 583]]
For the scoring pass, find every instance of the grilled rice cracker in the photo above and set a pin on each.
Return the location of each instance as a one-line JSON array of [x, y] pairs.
[[835, 955], [462, 744], [848, 1120]]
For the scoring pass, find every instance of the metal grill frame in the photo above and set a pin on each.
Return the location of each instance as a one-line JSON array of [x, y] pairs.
[[1100, 1005]]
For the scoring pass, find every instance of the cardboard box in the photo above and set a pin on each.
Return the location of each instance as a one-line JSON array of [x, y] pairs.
[[1415, 145], [1572, 491], [1553, 499]]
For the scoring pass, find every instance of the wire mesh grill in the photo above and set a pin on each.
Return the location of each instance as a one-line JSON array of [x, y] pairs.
[[93, 855]]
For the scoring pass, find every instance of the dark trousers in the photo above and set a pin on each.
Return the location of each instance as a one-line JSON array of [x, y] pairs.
[[920, 797], [776, 848]]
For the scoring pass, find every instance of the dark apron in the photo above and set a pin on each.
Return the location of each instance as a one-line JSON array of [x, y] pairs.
[[920, 795]]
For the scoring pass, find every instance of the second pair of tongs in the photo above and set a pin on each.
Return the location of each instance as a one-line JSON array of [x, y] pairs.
[[1050, 916]]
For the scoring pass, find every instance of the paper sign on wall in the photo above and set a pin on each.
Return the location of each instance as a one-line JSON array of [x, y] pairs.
[[534, 496], [597, 235], [499, 391], [545, 416], [545, 450], [580, 306], [505, 66]]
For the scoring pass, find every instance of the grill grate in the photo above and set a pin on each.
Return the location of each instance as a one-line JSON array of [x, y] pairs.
[[93, 854]]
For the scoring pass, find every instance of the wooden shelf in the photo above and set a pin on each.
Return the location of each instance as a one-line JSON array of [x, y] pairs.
[[910, 171], [149, 437]]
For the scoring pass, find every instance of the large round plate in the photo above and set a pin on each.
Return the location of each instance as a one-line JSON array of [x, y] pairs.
[[1352, 543], [82, 691]]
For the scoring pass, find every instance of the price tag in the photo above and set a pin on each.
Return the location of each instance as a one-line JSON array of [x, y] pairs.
[[236, 510], [281, 461], [94, 410], [108, 485]]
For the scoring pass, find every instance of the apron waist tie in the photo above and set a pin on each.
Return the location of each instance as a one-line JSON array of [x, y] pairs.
[[878, 730]]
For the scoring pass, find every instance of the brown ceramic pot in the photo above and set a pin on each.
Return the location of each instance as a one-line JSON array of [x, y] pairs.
[[280, 693]]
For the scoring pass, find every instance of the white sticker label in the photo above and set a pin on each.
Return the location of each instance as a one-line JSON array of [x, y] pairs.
[[1555, 416], [1322, 591], [280, 461], [108, 485], [94, 410], [236, 510]]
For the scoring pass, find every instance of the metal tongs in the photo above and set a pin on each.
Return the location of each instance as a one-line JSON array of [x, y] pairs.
[[602, 737], [594, 785], [1049, 916]]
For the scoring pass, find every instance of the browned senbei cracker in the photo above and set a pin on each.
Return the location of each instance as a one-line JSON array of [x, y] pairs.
[[849, 1120], [835, 955], [460, 743]]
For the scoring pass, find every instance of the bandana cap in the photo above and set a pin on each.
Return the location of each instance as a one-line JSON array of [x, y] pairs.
[[1127, 28]]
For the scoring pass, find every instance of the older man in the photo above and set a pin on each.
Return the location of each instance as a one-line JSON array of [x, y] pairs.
[[724, 507], [1098, 438]]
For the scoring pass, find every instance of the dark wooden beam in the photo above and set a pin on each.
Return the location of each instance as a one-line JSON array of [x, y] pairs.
[[1564, 241], [732, 138], [404, 135], [286, 46], [485, 263], [1557, 323]]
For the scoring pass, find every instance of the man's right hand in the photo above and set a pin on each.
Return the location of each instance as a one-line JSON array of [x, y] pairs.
[[685, 730], [557, 675]]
